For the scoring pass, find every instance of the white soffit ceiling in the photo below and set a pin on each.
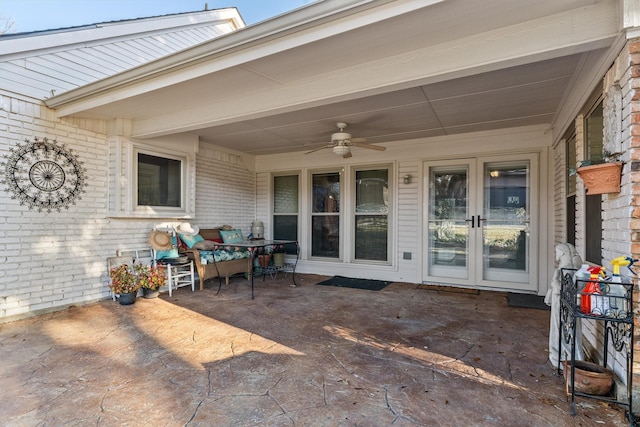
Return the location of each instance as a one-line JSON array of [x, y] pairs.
[[456, 66]]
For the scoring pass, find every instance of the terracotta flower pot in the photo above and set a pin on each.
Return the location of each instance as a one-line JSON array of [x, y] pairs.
[[264, 260], [601, 179], [590, 378]]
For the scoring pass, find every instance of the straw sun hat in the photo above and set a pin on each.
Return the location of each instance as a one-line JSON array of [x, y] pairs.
[[160, 240]]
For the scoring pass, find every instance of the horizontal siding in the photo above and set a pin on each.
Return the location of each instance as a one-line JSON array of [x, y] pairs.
[[68, 68]]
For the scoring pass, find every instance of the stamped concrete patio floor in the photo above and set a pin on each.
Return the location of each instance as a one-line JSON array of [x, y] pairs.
[[304, 356]]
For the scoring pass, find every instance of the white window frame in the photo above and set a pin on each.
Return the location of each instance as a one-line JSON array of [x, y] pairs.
[[123, 179], [151, 209], [298, 214], [353, 214], [341, 172]]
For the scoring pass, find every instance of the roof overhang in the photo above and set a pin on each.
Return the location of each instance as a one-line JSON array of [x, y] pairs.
[[499, 62]]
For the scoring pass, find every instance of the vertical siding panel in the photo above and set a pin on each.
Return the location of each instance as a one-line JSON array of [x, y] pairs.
[[409, 214]]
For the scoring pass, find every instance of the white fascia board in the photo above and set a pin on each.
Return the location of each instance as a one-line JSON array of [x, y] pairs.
[[54, 40], [314, 22], [566, 33]]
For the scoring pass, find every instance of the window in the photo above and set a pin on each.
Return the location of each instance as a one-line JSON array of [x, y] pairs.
[[285, 209], [152, 178], [325, 215], [570, 181], [159, 181], [593, 134], [371, 216]]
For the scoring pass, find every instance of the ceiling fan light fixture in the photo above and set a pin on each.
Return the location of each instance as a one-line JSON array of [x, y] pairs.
[[341, 150], [340, 136]]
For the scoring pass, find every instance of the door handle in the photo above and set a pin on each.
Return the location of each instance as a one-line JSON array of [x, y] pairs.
[[480, 219], [472, 221]]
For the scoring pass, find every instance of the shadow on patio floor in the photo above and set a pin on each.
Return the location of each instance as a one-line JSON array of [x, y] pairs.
[[304, 356]]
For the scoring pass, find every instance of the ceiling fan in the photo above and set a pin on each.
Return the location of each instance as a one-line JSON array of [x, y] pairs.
[[341, 143]]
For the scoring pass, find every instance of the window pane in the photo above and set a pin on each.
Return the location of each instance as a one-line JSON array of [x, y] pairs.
[[326, 192], [593, 206], [325, 236], [159, 181], [371, 237], [594, 125], [572, 161], [285, 227], [372, 191], [285, 194]]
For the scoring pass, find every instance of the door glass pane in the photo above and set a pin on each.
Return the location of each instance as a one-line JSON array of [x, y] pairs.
[[448, 210], [506, 216], [325, 236]]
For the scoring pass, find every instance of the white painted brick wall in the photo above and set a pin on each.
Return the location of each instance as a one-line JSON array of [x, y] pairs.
[[49, 261], [225, 190]]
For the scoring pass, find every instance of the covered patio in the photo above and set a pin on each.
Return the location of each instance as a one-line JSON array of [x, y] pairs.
[[305, 355]]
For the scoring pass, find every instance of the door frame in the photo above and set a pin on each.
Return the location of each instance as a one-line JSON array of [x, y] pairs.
[[536, 210]]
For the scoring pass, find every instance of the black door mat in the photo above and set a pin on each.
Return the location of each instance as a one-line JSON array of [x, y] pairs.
[[527, 301], [346, 282]]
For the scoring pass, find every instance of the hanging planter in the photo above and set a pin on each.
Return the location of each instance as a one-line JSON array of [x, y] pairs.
[[601, 178]]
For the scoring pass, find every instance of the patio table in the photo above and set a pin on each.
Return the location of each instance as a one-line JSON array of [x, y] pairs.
[[256, 246]]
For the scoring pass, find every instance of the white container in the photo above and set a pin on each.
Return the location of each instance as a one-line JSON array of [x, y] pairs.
[[257, 229], [617, 297]]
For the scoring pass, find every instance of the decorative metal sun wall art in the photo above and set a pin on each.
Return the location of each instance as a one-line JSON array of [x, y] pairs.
[[44, 175]]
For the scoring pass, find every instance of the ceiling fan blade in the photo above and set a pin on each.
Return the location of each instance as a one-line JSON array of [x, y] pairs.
[[369, 146], [318, 149], [346, 156], [356, 140]]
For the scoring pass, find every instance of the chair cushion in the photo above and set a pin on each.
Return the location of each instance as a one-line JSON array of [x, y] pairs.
[[170, 253], [191, 240], [231, 236]]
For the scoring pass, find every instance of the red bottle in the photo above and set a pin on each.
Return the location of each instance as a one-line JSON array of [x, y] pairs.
[[592, 287]]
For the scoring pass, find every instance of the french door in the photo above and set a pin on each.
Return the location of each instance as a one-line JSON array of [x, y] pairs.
[[481, 222]]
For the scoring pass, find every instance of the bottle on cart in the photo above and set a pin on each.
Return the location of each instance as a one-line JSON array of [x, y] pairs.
[[598, 303], [618, 306], [580, 279]]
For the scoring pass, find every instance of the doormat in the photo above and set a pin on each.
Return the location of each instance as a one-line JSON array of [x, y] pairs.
[[526, 301], [453, 289], [346, 282]]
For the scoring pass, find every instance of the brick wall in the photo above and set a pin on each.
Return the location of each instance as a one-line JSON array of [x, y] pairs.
[[49, 261], [631, 130]]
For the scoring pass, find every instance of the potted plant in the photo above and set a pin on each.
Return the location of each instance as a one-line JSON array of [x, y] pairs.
[[278, 256], [264, 259], [601, 176], [124, 283], [150, 279]]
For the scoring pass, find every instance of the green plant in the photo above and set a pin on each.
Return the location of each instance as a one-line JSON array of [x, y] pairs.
[[127, 278], [607, 157], [150, 277], [124, 279]]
